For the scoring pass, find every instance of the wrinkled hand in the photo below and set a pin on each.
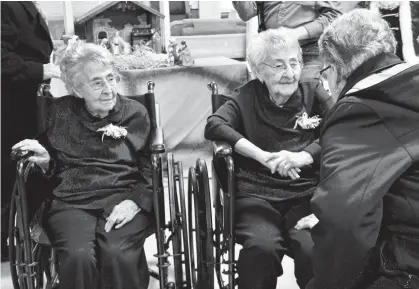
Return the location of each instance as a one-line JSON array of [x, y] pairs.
[[285, 161], [270, 160], [51, 71], [41, 156], [121, 214], [307, 222]]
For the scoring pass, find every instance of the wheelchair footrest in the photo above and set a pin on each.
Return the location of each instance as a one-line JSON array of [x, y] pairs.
[[165, 255]]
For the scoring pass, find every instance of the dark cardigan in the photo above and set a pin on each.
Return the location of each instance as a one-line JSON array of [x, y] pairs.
[[252, 115], [91, 173]]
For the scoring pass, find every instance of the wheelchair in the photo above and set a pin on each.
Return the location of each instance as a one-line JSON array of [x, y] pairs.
[[31, 256], [214, 238]]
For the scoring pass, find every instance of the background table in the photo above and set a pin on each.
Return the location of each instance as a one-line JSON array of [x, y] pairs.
[[185, 101]]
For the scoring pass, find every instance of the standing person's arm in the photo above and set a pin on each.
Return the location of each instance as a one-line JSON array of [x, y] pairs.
[[14, 65], [357, 152], [406, 32], [245, 9], [326, 13]]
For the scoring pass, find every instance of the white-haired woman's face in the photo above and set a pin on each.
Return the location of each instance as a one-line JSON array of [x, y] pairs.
[[282, 71], [98, 88]]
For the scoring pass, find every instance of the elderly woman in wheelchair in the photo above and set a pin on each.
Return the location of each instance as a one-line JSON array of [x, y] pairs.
[[95, 149], [272, 125]]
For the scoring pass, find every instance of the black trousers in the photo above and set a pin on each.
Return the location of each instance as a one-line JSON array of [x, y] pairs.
[[266, 233], [90, 258]]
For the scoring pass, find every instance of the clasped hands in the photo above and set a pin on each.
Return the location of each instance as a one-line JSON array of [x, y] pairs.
[[286, 163]]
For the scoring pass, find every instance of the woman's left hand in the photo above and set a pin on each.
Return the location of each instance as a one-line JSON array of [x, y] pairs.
[[307, 222], [121, 214]]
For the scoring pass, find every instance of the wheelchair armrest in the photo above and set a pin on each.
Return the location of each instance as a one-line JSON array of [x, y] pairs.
[[157, 141], [222, 149]]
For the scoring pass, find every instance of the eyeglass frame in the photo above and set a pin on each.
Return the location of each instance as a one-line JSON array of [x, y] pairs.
[[275, 68], [111, 83], [323, 70]]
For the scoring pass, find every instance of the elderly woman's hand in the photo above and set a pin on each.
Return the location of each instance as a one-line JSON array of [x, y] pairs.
[[269, 160], [284, 161], [121, 214], [41, 156], [307, 222]]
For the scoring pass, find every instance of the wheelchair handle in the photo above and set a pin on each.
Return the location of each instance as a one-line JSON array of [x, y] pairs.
[[150, 86], [44, 89], [20, 154], [213, 87]]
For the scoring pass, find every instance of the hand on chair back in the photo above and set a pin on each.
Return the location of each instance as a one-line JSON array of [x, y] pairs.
[[40, 157]]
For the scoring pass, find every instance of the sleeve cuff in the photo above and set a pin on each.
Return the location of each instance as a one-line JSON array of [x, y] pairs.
[[143, 197], [35, 71], [233, 137], [314, 150], [314, 29]]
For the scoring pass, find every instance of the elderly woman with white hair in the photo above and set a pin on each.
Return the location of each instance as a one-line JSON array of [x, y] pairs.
[[271, 122], [101, 207], [367, 200]]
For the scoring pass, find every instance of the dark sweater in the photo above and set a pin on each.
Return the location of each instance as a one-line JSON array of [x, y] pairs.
[[252, 115], [93, 174]]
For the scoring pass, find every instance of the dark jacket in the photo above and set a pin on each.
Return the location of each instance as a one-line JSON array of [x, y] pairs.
[[252, 115], [367, 199], [25, 46]]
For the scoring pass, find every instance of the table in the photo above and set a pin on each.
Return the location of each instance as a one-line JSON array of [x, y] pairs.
[[185, 101]]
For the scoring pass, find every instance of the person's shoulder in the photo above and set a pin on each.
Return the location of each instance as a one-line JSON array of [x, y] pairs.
[[60, 102], [246, 91]]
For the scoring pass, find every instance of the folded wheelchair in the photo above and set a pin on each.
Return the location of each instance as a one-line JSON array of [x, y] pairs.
[[33, 262]]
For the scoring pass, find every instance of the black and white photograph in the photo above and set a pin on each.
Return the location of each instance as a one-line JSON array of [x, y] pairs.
[[209, 144]]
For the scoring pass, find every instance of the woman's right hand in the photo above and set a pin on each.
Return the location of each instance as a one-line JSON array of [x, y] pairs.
[[41, 156]]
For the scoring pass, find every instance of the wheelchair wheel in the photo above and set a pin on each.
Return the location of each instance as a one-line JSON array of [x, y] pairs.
[[224, 223], [178, 224], [200, 226], [28, 260], [24, 269]]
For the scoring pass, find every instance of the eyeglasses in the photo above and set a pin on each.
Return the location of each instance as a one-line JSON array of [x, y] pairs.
[[282, 68], [100, 83], [322, 77]]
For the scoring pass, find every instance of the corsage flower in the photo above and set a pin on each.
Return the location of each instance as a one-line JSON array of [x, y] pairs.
[[306, 122], [113, 131]]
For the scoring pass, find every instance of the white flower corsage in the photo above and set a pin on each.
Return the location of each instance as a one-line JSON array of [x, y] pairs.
[[113, 131], [306, 122]]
